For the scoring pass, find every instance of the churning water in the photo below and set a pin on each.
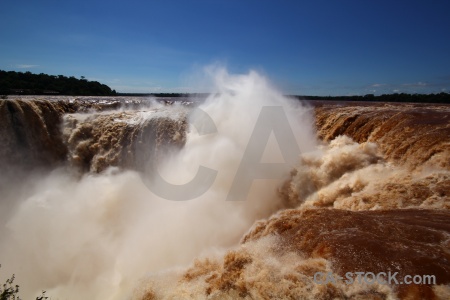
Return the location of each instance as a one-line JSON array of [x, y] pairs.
[[82, 217]]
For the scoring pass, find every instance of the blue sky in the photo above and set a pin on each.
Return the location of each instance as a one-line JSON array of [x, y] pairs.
[[316, 47]]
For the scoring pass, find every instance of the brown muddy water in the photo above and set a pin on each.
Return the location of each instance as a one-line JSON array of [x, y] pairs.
[[369, 192]]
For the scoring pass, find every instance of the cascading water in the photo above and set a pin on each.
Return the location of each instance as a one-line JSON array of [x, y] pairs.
[[80, 219]]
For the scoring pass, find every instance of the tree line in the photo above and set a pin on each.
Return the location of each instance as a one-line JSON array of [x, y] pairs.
[[396, 97], [19, 83], [27, 83]]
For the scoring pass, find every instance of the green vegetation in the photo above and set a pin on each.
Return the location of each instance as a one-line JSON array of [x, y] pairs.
[[18, 83], [42, 84], [9, 291], [413, 98]]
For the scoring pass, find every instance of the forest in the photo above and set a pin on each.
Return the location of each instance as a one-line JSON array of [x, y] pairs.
[[19, 83], [396, 97]]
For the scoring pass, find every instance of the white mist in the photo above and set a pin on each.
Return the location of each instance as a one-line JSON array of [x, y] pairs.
[[95, 237]]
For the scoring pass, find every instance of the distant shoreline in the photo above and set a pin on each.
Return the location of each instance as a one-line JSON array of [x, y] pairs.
[[18, 83], [410, 98], [441, 98]]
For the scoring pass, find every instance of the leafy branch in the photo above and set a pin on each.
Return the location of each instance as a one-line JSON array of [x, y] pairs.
[[9, 291]]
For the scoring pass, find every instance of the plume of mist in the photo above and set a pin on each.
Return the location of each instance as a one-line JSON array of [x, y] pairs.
[[95, 236]]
